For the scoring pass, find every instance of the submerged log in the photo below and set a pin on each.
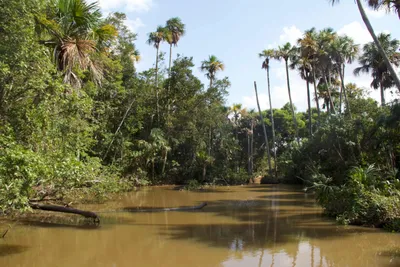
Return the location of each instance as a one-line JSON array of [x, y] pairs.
[[45, 207], [199, 207]]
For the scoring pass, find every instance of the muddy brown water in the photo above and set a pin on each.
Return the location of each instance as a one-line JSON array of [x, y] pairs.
[[241, 226]]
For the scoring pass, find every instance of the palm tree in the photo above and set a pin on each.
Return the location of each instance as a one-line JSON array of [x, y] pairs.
[[303, 64], [325, 38], [381, 50], [371, 61], [73, 34], [286, 52], [175, 29], [212, 66], [391, 5], [309, 48], [155, 39], [267, 55], [264, 129], [343, 51]]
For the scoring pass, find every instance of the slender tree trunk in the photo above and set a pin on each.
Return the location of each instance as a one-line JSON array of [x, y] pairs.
[[309, 106], [330, 101], [343, 89], [329, 92], [157, 94], [211, 82], [264, 129], [165, 161], [252, 146], [119, 127], [291, 103], [383, 102], [316, 93], [204, 171], [157, 56], [272, 124], [378, 44], [170, 60], [248, 153]]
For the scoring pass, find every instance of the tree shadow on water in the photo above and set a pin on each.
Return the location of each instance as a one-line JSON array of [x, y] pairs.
[[6, 250], [259, 224]]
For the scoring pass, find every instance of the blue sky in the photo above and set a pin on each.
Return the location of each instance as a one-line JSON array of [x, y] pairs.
[[237, 30]]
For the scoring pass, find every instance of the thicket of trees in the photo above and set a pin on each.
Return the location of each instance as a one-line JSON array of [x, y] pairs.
[[76, 117]]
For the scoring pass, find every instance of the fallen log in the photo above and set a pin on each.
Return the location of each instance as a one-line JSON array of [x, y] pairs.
[[45, 207], [185, 208]]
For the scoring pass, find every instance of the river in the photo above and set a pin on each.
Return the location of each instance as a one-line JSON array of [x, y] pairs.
[[273, 225]]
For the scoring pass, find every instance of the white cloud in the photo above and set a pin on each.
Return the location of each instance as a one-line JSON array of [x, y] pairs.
[[376, 13], [126, 5], [356, 31], [279, 92], [134, 25], [290, 34], [250, 102]]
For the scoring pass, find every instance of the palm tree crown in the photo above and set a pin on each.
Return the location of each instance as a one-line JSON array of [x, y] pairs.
[[74, 33], [157, 37], [212, 66], [175, 29], [372, 62]]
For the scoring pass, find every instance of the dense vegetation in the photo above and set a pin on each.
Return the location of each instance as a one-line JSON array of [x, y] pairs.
[[76, 119]]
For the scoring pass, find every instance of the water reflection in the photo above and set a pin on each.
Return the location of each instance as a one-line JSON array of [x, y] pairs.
[[242, 226]]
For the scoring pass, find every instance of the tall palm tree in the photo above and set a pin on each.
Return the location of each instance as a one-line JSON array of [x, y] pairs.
[[372, 62], [309, 49], [155, 39], [73, 33], [212, 66], [303, 64], [264, 129], [267, 55], [343, 51], [286, 52], [325, 38], [175, 29], [381, 50]]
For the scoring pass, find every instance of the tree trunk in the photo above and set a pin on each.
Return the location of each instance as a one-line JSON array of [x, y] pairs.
[[328, 79], [119, 127], [316, 93], [272, 124], [248, 154], [291, 103], [378, 44], [346, 100], [264, 129], [211, 81], [330, 101], [87, 214], [383, 102], [170, 60], [252, 146], [165, 161], [157, 95], [309, 106], [204, 171], [341, 89], [157, 56]]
